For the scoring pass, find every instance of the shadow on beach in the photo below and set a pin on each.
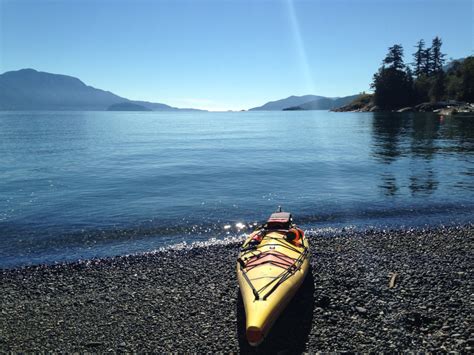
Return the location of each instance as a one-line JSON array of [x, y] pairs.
[[290, 332]]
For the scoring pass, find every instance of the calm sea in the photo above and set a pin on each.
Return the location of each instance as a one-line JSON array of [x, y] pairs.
[[77, 185]]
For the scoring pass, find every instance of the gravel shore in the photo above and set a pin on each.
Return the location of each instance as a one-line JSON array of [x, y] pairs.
[[188, 300]]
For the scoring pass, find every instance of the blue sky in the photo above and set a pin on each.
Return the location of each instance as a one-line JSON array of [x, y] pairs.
[[222, 54]]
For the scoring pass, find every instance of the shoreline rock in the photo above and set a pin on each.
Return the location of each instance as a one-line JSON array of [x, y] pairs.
[[444, 108], [188, 300]]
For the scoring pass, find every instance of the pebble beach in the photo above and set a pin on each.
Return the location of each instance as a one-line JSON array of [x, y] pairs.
[[378, 290]]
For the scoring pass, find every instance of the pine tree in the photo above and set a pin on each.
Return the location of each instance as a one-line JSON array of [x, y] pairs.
[[454, 80], [394, 58], [437, 57], [409, 74], [393, 84], [467, 83], [418, 57], [438, 89], [426, 66]]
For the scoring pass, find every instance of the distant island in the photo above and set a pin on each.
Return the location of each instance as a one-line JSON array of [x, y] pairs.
[[425, 85], [127, 106], [306, 102], [28, 89], [323, 103]]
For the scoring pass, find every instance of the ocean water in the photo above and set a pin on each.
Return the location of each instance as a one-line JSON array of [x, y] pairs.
[[77, 185]]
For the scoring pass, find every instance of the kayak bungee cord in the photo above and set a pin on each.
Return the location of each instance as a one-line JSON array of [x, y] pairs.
[[255, 292], [283, 276], [290, 270]]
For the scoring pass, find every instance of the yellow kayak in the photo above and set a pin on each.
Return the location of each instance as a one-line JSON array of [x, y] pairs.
[[272, 265]]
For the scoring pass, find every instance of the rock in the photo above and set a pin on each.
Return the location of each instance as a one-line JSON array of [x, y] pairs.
[[94, 343], [430, 107], [447, 111], [323, 302], [406, 109], [169, 309]]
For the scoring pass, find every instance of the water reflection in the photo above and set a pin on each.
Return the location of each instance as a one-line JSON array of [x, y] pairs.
[[424, 133], [389, 132], [423, 183], [420, 139], [389, 184]]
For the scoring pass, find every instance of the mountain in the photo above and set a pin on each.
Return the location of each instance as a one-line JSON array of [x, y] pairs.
[[324, 103], [28, 89], [279, 105], [306, 102], [452, 63]]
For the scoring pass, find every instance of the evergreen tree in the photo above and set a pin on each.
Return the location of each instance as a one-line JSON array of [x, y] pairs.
[[418, 57], [422, 87], [454, 81], [409, 74], [393, 85], [394, 58], [437, 57], [438, 87], [396, 86], [467, 80], [426, 67]]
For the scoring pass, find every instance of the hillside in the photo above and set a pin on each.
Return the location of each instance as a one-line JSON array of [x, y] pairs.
[[28, 89], [306, 102], [324, 103], [281, 104]]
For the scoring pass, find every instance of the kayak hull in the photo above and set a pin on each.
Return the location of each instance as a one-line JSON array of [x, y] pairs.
[[263, 272]]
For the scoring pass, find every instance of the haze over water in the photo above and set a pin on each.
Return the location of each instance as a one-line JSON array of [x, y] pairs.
[[90, 184]]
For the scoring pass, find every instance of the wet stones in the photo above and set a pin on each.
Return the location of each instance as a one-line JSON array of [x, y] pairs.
[[188, 300]]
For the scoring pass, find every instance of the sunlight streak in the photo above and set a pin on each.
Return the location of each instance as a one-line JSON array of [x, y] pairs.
[[303, 58]]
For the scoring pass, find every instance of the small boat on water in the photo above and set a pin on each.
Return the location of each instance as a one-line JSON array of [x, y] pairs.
[[271, 266]]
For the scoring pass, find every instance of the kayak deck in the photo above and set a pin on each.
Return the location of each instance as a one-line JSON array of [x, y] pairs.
[[269, 275]]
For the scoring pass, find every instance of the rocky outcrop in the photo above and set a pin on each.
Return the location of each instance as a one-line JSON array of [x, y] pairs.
[[357, 108], [362, 104], [444, 108], [452, 110], [406, 109]]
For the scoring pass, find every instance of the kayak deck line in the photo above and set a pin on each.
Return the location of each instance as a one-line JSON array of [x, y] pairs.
[[285, 275], [272, 257], [247, 250], [290, 269]]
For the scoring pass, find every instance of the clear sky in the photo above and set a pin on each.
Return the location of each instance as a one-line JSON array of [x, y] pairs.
[[222, 54]]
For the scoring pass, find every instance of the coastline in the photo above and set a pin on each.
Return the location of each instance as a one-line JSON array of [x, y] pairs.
[[444, 108], [188, 300]]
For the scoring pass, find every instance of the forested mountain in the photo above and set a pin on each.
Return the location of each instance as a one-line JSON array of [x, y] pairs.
[[306, 102], [324, 103], [28, 89], [291, 101]]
